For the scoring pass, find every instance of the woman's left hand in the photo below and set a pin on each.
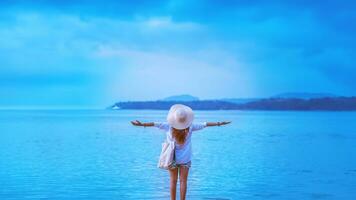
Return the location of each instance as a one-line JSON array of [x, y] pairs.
[[224, 122]]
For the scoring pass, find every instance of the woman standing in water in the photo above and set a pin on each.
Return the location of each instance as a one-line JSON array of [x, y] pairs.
[[179, 128]]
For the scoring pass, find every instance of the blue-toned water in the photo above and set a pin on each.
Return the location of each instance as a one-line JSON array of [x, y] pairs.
[[93, 154]]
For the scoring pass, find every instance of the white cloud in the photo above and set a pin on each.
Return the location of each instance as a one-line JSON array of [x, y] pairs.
[[168, 24], [156, 74]]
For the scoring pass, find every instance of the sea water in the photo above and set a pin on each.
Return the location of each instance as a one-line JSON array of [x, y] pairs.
[[99, 154]]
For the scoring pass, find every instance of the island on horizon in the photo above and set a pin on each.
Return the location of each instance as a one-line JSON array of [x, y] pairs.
[[280, 102]]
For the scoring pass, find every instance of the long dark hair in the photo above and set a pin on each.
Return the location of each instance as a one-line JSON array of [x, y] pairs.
[[180, 134]]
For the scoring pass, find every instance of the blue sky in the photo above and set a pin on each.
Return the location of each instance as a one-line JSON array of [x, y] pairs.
[[93, 53]]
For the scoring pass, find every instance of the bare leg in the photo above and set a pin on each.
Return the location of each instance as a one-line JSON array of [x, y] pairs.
[[183, 176], [174, 176]]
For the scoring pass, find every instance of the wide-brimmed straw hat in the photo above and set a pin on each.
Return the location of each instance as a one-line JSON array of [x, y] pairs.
[[180, 116]]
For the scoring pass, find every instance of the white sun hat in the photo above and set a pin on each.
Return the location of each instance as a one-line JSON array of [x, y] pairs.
[[180, 116]]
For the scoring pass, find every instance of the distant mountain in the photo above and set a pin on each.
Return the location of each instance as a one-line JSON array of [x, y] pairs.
[[284, 101], [304, 95], [183, 97], [239, 100], [164, 105], [187, 97], [328, 103]]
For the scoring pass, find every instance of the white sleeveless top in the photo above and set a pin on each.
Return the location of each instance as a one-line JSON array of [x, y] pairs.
[[183, 152]]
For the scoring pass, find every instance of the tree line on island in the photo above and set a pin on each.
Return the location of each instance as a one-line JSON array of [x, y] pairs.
[[325, 103]]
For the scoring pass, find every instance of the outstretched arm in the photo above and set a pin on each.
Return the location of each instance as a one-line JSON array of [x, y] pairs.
[[199, 126], [217, 123], [160, 125], [144, 124]]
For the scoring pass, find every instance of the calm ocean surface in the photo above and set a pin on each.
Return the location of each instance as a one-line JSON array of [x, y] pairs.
[[92, 154]]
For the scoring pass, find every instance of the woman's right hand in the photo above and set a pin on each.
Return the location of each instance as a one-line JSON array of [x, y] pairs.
[[136, 123]]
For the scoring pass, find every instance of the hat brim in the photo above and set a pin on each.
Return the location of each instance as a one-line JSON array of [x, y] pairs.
[[176, 124]]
